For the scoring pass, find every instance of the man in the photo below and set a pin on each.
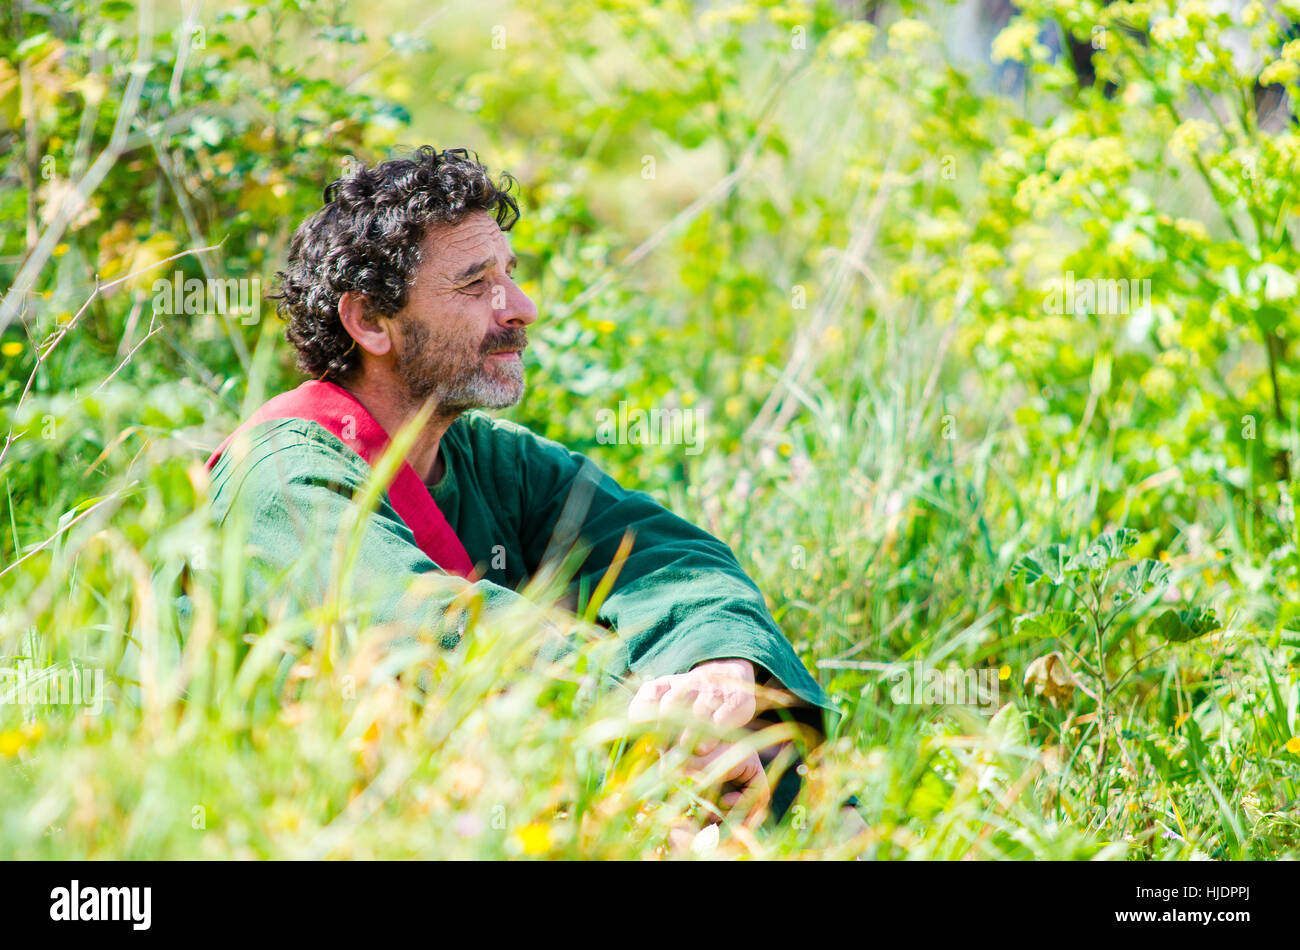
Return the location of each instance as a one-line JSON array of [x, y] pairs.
[[399, 294]]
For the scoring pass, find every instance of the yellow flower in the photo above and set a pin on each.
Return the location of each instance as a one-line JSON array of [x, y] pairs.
[[15, 740], [1191, 228], [1107, 156], [11, 348], [739, 13], [790, 16], [1167, 30], [1195, 12], [1004, 672], [851, 40], [1159, 381], [1279, 72], [534, 838], [1018, 42], [60, 249], [605, 326], [785, 448], [907, 35], [1190, 136], [1293, 745]]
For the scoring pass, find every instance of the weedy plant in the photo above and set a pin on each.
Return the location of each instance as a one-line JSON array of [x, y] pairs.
[[1110, 595]]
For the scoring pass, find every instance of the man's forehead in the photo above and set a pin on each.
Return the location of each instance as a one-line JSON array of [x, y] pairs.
[[451, 247]]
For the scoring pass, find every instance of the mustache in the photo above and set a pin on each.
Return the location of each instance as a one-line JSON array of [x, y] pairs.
[[515, 338]]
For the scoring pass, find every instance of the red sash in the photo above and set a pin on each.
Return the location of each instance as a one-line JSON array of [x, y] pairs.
[[329, 405]]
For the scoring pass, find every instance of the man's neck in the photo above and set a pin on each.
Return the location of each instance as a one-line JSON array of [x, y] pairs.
[[393, 412]]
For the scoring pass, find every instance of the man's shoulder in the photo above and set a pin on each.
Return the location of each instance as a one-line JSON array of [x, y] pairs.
[[283, 446], [256, 442]]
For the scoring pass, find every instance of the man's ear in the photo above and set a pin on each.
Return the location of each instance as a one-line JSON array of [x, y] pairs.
[[370, 332]]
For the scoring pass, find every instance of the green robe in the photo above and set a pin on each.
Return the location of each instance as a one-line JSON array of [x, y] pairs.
[[681, 598]]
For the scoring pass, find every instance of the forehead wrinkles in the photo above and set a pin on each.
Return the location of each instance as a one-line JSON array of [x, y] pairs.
[[455, 247]]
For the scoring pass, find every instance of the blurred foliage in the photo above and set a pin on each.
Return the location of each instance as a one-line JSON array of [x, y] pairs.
[[876, 273]]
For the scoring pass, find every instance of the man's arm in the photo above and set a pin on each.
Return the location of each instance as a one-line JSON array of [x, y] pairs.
[[695, 626], [680, 599]]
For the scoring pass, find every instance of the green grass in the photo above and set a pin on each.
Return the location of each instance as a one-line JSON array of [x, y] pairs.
[[891, 543], [892, 420]]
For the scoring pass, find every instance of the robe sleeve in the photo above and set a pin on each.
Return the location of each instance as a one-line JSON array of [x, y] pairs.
[[292, 495], [680, 598]]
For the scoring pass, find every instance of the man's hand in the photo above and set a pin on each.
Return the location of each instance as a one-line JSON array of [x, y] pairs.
[[720, 692]]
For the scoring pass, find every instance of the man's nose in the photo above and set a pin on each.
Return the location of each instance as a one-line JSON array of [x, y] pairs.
[[518, 308]]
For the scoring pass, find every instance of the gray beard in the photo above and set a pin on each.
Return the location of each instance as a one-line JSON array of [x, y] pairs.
[[458, 383]]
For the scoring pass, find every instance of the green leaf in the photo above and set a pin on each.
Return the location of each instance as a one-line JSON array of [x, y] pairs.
[[1104, 550], [1092, 559], [237, 14], [1145, 574], [116, 9], [1010, 733], [1049, 623], [1179, 626], [33, 43], [1008, 724], [1118, 541], [1044, 561], [341, 33]]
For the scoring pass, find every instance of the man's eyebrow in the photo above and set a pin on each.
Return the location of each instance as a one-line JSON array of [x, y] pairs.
[[482, 265]]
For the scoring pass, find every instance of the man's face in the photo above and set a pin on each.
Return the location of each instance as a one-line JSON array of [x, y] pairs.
[[463, 328]]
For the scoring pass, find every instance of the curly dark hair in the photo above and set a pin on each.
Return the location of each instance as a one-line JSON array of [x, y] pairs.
[[367, 240]]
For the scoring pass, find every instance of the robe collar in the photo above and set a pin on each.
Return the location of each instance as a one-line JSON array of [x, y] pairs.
[[343, 415]]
